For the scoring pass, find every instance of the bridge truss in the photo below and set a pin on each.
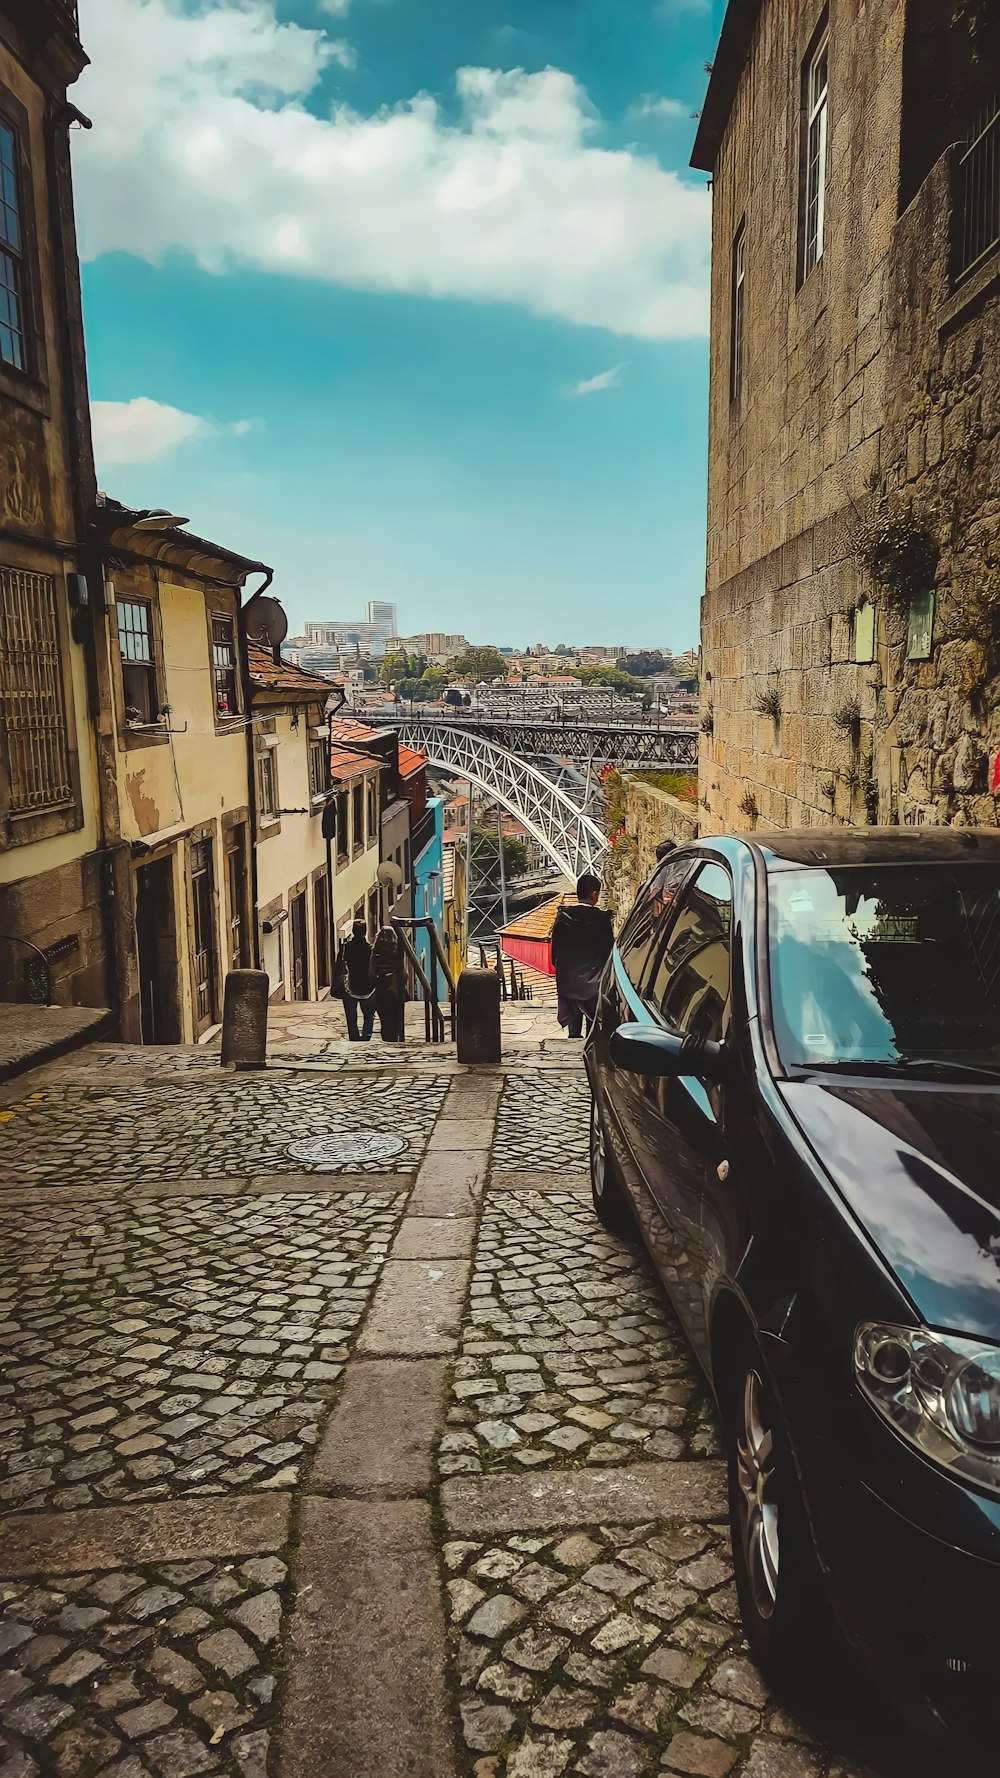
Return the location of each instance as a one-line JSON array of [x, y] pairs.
[[571, 838], [585, 743]]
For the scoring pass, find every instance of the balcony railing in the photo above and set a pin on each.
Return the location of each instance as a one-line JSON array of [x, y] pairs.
[[977, 206]]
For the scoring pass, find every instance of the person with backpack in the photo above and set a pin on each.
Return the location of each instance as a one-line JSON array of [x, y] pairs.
[[389, 984], [582, 941], [355, 965]]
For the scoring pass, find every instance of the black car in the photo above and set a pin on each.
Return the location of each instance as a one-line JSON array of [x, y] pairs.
[[796, 1080]]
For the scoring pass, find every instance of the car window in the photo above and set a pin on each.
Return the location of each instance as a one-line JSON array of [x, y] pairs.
[[646, 919], [689, 985]]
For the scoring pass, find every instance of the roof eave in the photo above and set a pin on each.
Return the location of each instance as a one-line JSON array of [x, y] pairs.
[[727, 69]]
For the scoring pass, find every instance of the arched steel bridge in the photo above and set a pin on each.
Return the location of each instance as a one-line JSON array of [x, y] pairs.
[[572, 840], [588, 743]]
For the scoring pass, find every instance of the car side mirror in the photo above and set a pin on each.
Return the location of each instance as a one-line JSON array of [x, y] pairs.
[[645, 1049]]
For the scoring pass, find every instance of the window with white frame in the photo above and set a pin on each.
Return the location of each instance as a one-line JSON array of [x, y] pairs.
[[267, 786], [138, 657], [738, 301], [317, 769], [816, 91]]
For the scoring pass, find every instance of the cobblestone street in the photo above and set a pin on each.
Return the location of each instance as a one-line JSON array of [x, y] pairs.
[[326, 1457]]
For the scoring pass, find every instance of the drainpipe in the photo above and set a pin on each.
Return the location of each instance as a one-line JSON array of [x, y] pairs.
[[251, 773]]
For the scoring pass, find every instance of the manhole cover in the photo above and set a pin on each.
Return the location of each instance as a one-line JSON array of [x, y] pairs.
[[351, 1149]]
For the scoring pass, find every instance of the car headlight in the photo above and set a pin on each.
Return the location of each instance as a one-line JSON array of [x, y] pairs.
[[940, 1391]]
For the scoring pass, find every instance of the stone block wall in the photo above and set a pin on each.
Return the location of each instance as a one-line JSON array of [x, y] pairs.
[[651, 815], [872, 374]]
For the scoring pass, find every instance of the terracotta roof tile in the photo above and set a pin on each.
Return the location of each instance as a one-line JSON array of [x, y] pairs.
[[410, 762], [538, 923], [346, 764], [266, 674]]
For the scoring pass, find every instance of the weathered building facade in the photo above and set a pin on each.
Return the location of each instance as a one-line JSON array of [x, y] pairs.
[[52, 866], [852, 611], [176, 755], [291, 750]]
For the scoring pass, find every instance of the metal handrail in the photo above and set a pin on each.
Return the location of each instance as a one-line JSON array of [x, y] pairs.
[[977, 207], [14, 938], [418, 970], [426, 924]]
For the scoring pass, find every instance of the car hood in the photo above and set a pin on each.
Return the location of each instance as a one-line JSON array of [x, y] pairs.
[[920, 1168]]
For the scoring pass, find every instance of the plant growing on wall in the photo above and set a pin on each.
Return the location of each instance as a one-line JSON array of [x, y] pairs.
[[848, 719], [707, 724], [768, 703], [898, 550], [749, 808]]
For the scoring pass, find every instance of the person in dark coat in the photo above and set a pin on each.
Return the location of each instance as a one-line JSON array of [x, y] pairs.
[[390, 987], [582, 941], [359, 989]]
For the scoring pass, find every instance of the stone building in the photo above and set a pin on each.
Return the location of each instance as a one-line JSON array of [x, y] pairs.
[[52, 865], [851, 621]]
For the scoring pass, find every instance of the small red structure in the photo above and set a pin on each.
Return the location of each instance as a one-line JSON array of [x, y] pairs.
[[528, 938]]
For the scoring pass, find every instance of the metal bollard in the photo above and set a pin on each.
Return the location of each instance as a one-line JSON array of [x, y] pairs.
[[244, 1019], [478, 1017]]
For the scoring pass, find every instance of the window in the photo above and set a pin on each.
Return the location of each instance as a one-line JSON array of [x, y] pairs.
[[13, 282], [358, 815], [267, 786], [816, 83], [317, 769], [646, 918], [343, 833], [738, 297], [33, 743], [372, 800], [135, 645], [224, 667], [690, 982]]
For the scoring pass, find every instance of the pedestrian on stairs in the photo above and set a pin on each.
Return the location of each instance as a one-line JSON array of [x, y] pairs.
[[582, 941], [359, 988]]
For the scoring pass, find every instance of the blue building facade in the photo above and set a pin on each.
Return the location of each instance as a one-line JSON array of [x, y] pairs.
[[428, 890]]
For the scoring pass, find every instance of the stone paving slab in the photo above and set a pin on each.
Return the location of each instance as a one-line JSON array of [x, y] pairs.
[[30, 1034], [164, 1531], [381, 1435], [365, 1663], [433, 1237], [416, 1310], [537, 1502], [449, 1184], [463, 1134]]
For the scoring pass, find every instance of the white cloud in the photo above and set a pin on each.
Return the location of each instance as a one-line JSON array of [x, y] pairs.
[[202, 142], [654, 105], [141, 430], [335, 8], [607, 379]]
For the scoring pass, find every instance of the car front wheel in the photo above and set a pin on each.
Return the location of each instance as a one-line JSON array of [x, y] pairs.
[[778, 1578], [610, 1201]]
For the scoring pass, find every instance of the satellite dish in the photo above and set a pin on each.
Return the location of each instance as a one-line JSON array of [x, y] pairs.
[[266, 621], [390, 875]]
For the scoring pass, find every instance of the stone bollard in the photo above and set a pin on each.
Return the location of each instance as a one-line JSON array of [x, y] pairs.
[[244, 1019], [477, 1010]]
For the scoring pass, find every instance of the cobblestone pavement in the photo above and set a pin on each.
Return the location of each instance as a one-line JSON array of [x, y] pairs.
[[165, 1669], [570, 1352], [165, 1349], [544, 1119], [218, 1126], [189, 1562]]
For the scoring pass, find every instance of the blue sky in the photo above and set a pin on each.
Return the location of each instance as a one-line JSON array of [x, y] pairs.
[[349, 269]]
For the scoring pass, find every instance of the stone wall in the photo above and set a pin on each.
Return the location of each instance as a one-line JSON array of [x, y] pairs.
[[650, 815], [867, 377]]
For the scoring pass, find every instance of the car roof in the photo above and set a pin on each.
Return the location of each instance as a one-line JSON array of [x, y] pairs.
[[837, 846]]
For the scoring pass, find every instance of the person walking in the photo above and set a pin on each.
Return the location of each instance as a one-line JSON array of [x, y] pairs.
[[582, 941], [389, 984], [359, 989]]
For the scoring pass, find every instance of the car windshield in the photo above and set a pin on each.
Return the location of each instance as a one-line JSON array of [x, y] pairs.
[[895, 967]]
